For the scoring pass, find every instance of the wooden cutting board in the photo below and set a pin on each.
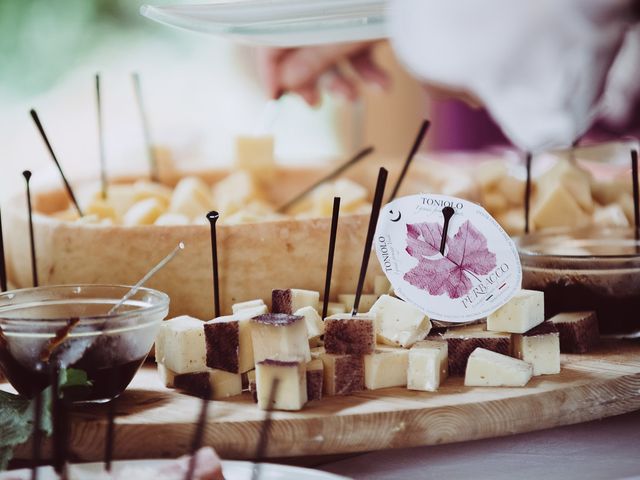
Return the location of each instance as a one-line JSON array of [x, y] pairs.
[[157, 422]]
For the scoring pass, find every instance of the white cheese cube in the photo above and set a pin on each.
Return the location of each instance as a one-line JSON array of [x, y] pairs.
[[120, 197], [490, 172], [523, 312], [573, 178], [180, 345], [540, 347], [293, 299], [428, 365], [398, 322], [291, 387], [234, 192], [366, 301], [381, 285], [278, 335], [101, 208], [144, 212], [191, 198], [335, 308], [557, 208], [386, 367], [250, 304], [166, 376], [315, 324], [490, 369], [143, 189], [254, 154]]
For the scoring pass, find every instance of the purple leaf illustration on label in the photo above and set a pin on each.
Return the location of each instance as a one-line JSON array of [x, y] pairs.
[[467, 255], [477, 271]]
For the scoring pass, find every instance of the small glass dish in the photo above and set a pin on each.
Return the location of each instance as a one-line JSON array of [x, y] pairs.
[[70, 327], [590, 268]]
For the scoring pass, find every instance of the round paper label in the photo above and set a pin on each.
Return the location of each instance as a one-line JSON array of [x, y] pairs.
[[478, 272]]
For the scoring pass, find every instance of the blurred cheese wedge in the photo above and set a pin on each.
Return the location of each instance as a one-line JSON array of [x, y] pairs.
[[101, 208], [494, 202], [556, 207], [353, 198], [180, 345], [575, 179], [234, 192], [166, 376], [250, 304], [512, 189], [490, 369], [626, 203], [191, 198], [254, 155], [512, 221], [334, 308], [315, 324], [428, 365], [489, 173], [143, 189], [172, 219], [278, 335], [366, 301], [386, 367], [520, 314], [144, 212], [610, 216], [120, 197], [291, 387], [399, 323], [608, 191]]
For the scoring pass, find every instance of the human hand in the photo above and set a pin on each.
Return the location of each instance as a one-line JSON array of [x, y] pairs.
[[300, 70]]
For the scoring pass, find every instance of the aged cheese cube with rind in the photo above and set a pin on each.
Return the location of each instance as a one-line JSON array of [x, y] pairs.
[[291, 387], [366, 301], [210, 383], [398, 322], [540, 347], [461, 343], [234, 192], [345, 334], [180, 345], [144, 212], [293, 299], [315, 375], [386, 367], [278, 335], [343, 374], [579, 331], [315, 324], [557, 208], [229, 343], [428, 365], [250, 304], [254, 154], [191, 198], [520, 314], [490, 369]]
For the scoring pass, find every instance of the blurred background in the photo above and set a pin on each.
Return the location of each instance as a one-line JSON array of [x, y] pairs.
[[199, 91]]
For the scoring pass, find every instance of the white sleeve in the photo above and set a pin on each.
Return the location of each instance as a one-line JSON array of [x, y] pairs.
[[539, 66]]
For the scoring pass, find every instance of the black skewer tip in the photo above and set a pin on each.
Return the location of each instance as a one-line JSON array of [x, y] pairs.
[[422, 132], [373, 222], [34, 264], [527, 193], [636, 194], [198, 434], [447, 213], [213, 217], [332, 248]]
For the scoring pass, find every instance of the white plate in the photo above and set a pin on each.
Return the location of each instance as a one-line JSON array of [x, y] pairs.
[[282, 23], [233, 470]]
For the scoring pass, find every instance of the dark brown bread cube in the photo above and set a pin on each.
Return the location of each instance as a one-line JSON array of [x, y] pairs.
[[314, 384]]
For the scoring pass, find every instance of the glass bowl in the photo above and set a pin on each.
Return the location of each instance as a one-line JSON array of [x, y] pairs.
[[586, 269], [70, 327]]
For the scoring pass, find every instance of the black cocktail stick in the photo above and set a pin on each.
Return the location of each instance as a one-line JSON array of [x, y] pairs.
[[332, 249], [36, 120], [109, 443], [3, 266], [447, 213], [151, 156], [59, 420], [36, 436], [349, 163], [636, 194], [213, 218], [198, 434], [414, 149], [527, 193], [34, 264], [261, 449], [373, 222], [103, 160]]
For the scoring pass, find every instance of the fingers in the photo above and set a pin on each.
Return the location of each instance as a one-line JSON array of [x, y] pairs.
[[268, 69], [368, 71], [305, 65], [339, 84]]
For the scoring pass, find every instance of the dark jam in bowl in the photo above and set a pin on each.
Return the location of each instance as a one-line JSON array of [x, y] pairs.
[[586, 269], [35, 337]]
